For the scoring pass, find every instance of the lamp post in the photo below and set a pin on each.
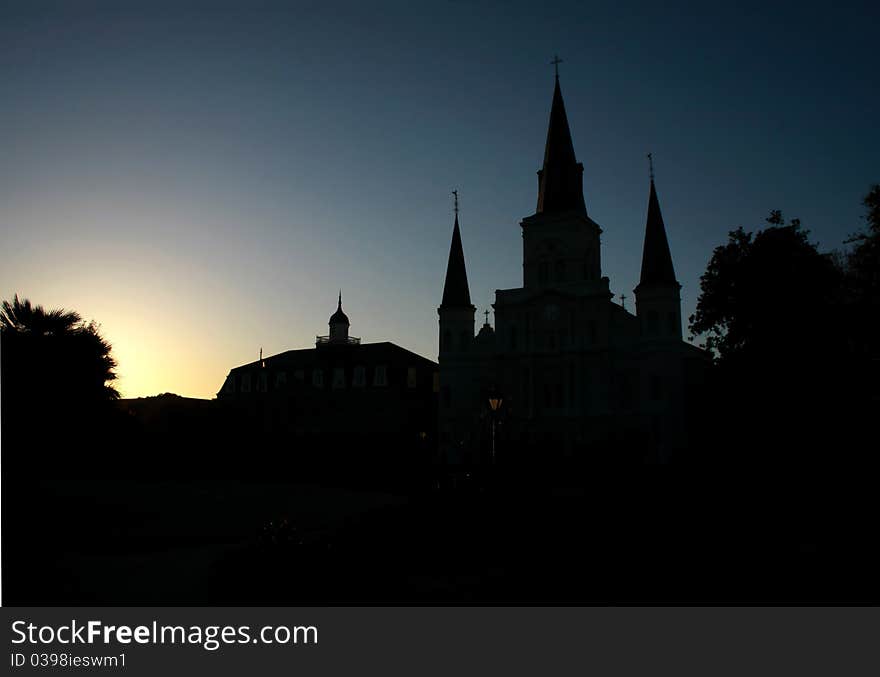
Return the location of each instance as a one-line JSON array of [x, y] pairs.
[[495, 402]]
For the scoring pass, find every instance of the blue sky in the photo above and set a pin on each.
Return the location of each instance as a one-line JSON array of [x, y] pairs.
[[201, 179]]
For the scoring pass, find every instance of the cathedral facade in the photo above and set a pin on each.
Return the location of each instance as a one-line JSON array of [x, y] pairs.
[[566, 372]]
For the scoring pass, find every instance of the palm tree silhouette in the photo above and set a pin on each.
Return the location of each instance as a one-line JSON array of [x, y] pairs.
[[54, 353]]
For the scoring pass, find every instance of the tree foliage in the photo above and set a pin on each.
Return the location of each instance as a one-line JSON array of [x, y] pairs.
[[791, 330], [862, 267], [54, 356], [765, 290]]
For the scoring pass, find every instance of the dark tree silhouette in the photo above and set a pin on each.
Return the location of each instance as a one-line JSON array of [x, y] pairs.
[[764, 293], [862, 266], [786, 389], [58, 394], [54, 354]]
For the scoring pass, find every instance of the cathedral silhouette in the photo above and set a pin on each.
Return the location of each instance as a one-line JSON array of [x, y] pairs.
[[566, 373]]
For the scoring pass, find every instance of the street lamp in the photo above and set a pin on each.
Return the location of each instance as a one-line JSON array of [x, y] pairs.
[[495, 402]]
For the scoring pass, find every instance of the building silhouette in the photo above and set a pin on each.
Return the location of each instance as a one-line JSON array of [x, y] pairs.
[[569, 372], [341, 395]]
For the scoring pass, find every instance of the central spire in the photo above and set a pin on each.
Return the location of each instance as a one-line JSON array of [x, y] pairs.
[[455, 291], [560, 181]]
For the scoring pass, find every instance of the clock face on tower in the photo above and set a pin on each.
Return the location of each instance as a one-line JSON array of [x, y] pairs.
[[551, 312]]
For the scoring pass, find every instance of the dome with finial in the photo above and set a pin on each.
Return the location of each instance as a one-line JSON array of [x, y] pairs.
[[339, 317]]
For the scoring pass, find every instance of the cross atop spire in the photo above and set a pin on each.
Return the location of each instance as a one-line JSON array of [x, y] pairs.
[[560, 181], [555, 63], [456, 293], [486, 313], [657, 269]]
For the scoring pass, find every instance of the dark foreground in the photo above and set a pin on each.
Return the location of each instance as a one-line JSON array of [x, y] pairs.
[[655, 536]]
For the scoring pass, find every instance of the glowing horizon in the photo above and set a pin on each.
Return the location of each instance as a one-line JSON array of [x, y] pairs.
[[202, 183]]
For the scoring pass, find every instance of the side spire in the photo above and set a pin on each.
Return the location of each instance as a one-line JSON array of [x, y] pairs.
[[657, 266], [560, 181], [456, 292]]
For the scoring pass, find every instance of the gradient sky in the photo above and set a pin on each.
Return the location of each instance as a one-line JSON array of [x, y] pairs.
[[202, 179]]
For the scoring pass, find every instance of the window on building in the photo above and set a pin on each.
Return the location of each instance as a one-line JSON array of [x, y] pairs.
[[465, 339], [544, 272], [447, 396], [359, 379], [672, 322], [246, 382], [338, 378], [436, 381], [262, 382], [411, 377], [299, 376], [318, 378], [447, 340], [380, 377], [280, 380]]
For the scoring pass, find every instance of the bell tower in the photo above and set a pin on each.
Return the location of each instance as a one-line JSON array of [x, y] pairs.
[[560, 241]]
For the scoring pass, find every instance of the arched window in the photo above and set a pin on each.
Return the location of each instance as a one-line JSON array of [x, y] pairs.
[[447, 340]]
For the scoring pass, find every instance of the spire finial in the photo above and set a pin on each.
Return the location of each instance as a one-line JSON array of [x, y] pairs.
[[339, 305], [455, 193], [651, 165], [555, 63]]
